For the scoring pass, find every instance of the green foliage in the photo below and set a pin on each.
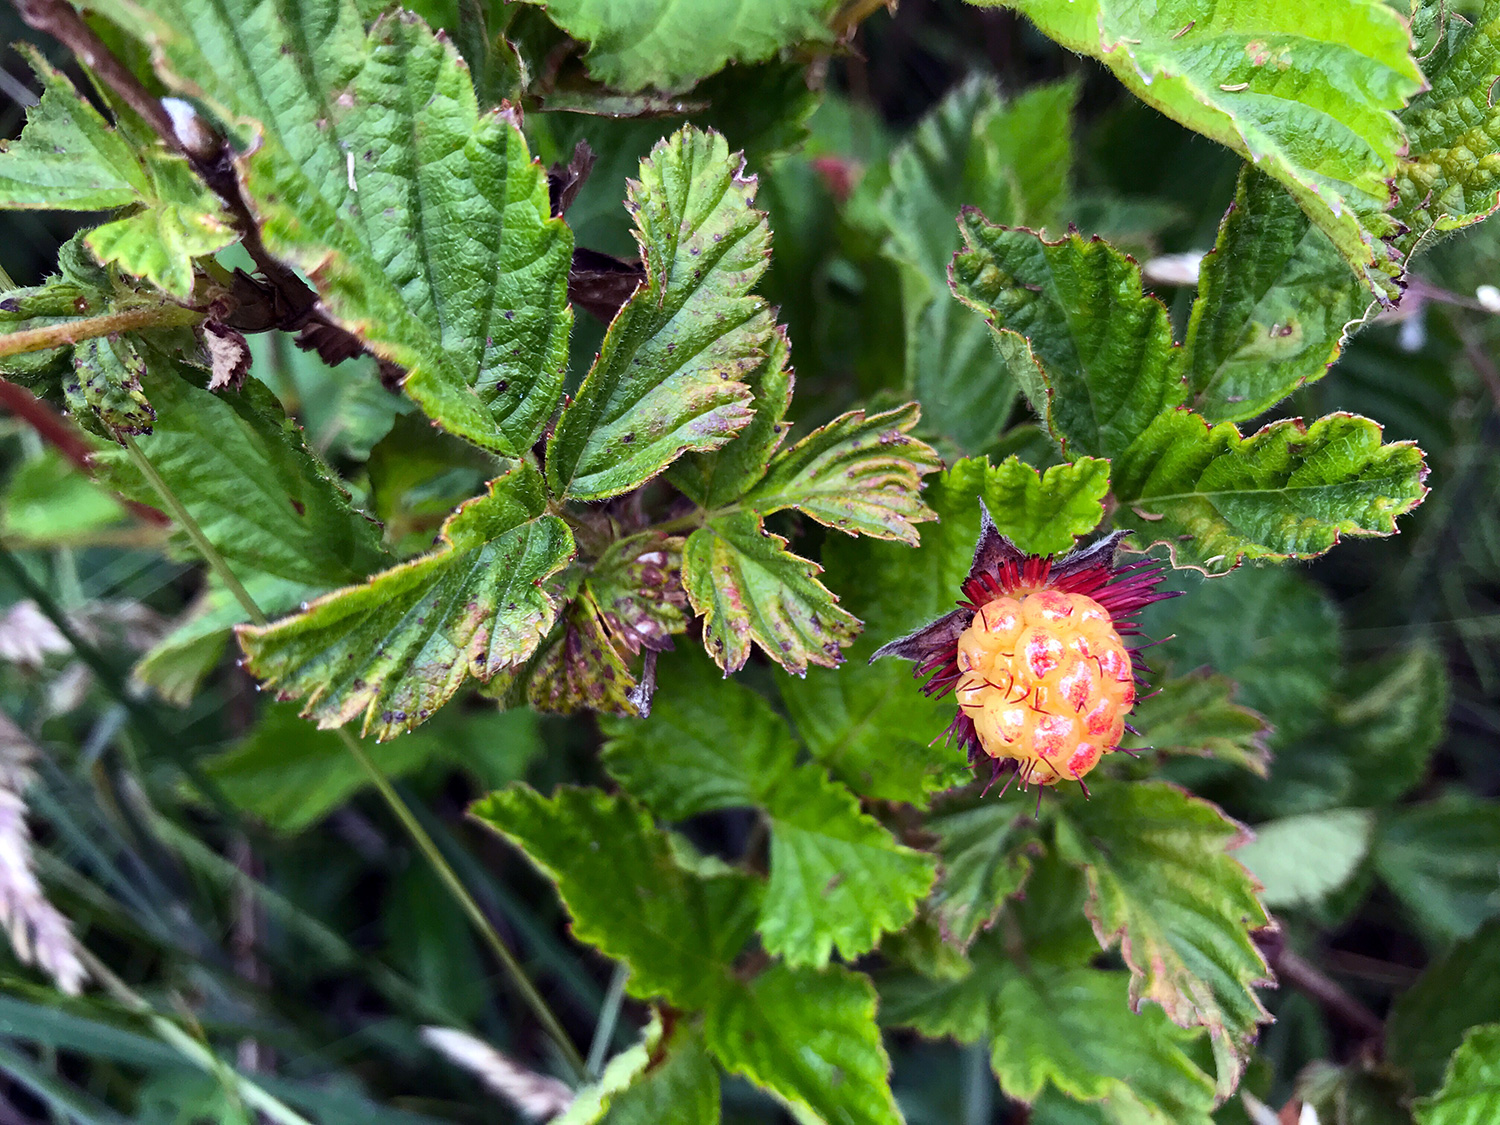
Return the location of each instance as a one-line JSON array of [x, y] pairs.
[[1439, 858], [1197, 714], [1307, 95], [1300, 860], [1457, 991], [1470, 1093]]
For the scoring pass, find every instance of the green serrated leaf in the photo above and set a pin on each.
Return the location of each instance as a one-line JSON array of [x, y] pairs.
[[393, 650], [810, 1038], [240, 467], [1441, 859], [1274, 302], [1068, 1028], [985, 853], [1161, 882], [637, 586], [1307, 94], [628, 896], [718, 479], [424, 224], [1392, 716], [1300, 860], [838, 879], [1196, 714], [1092, 353], [747, 586], [681, 1087], [861, 475], [1288, 491], [1427, 1021], [668, 377], [1450, 177], [1470, 1094], [69, 158], [657, 44], [1045, 513], [104, 390], [580, 667]]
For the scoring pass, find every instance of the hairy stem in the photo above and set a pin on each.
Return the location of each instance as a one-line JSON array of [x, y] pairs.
[[167, 315], [419, 835]]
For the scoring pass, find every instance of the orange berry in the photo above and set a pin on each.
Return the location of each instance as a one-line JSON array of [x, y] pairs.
[[1047, 681]]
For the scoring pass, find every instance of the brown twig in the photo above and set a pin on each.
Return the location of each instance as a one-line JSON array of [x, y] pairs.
[[62, 436], [73, 331], [1293, 970]]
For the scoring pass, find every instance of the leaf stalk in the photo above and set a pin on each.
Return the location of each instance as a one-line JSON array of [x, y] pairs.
[[167, 315]]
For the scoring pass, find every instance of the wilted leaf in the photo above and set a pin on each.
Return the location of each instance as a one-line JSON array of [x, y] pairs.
[[69, 159], [747, 586], [637, 585], [1162, 882], [1306, 93], [1290, 490], [393, 650], [581, 668], [104, 390], [1092, 352], [424, 224], [860, 475], [669, 374], [1470, 1094]]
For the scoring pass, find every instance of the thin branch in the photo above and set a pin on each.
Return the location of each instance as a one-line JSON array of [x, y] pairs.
[[167, 315], [1306, 978]]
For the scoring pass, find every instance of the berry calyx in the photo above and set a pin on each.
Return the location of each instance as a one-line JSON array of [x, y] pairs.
[[1047, 682]]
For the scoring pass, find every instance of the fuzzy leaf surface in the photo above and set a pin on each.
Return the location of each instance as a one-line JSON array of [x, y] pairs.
[[1090, 350], [1288, 491], [748, 587], [68, 158], [1045, 513], [1470, 1094], [104, 390], [1197, 714], [1069, 1028], [985, 854], [670, 374], [424, 224], [861, 475], [391, 651], [241, 469], [1162, 883], [1274, 301], [1309, 94], [659, 44]]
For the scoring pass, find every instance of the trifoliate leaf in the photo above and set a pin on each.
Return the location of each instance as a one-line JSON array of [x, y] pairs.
[[837, 877], [1305, 93], [860, 475], [810, 1038], [1010, 160], [1092, 353], [1470, 1094], [1196, 714], [669, 375], [1457, 990], [1162, 883], [1274, 301], [718, 479], [393, 650], [628, 896], [1449, 178], [1044, 513], [747, 586], [69, 158], [105, 387], [985, 853], [424, 224], [1068, 1028], [1300, 860], [663, 45], [1440, 859], [239, 466], [1290, 490]]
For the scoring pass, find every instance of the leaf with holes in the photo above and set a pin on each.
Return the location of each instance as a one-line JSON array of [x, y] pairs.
[[424, 224], [670, 374], [747, 586], [391, 651]]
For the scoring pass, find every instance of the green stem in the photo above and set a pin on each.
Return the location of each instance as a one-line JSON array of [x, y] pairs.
[[250, 1092], [409, 822], [72, 331], [609, 1014]]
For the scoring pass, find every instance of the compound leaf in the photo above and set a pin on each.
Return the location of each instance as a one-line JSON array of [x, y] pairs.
[[1161, 882], [393, 650], [861, 475], [1287, 491], [669, 375], [1306, 93], [747, 586], [424, 224], [1090, 350]]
